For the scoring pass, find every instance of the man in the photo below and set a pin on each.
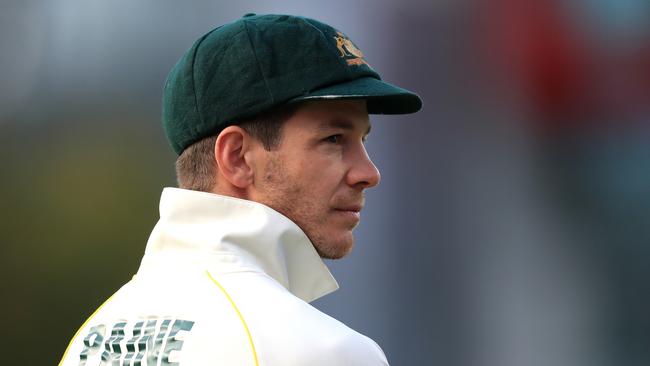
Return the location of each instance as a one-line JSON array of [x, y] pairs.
[[269, 115]]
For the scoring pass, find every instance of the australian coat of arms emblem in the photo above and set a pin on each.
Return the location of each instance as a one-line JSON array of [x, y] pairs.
[[352, 55]]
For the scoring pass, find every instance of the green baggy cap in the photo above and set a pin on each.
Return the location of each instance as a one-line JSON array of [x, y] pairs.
[[258, 62]]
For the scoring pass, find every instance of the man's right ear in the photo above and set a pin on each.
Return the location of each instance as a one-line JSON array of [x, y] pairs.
[[230, 153]]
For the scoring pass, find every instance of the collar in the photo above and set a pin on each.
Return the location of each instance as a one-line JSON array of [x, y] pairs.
[[227, 234]]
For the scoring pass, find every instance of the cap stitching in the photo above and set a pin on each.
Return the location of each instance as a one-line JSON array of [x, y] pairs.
[[197, 127], [257, 60], [224, 51], [196, 99], [343, 65]]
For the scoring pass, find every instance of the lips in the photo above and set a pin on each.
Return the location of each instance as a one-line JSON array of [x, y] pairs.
[[352, 208], [350, 213]]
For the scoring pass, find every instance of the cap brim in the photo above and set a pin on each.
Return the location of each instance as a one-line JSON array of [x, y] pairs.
[[382, 97]]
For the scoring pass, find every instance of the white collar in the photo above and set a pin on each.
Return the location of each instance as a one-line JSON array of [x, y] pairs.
[[228, 234]]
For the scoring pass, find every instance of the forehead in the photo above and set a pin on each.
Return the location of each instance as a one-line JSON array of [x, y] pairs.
[[318, 116]]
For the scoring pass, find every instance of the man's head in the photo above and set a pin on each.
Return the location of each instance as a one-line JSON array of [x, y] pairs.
[[315, 172], [274, 109]]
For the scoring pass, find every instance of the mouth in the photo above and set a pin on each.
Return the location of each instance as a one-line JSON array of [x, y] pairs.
[[351, 208], [351, 212]]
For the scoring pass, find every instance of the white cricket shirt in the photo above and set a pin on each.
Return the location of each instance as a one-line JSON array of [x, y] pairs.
[[223, 281]]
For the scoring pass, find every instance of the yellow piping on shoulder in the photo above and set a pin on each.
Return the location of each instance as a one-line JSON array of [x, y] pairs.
[[241, 318], [83, 326]]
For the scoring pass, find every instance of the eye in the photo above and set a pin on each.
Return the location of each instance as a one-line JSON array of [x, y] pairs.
[[334, 139]]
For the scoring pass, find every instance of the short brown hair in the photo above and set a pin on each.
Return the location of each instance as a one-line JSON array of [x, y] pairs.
[[196, 168]]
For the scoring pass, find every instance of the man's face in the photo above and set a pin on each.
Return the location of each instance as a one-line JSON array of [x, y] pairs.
[[317, 175]]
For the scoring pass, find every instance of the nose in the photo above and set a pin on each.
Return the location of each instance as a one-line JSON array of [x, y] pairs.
[[363, 173]]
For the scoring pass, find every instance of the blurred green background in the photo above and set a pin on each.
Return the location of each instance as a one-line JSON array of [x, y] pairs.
[[79, 197]]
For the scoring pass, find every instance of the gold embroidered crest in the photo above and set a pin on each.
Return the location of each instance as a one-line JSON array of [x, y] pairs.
[[352, 55]]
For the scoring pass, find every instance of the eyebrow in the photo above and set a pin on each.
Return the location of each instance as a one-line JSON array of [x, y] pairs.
[[341, 123]]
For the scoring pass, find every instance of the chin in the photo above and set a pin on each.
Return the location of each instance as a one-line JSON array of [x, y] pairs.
[[335, 249]]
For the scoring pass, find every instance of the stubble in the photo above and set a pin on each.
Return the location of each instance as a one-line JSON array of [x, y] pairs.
[[292, 198]]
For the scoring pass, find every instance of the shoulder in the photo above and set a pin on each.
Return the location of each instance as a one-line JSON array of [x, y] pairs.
[[344, 348], [288, 331]]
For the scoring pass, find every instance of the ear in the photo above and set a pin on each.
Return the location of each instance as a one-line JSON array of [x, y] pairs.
[[231, 153]]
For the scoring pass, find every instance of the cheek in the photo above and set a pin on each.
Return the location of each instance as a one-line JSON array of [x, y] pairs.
[[323, 168], [323, 179]]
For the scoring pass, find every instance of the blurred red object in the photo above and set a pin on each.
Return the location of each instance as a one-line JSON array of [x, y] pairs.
[[569, 77]]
